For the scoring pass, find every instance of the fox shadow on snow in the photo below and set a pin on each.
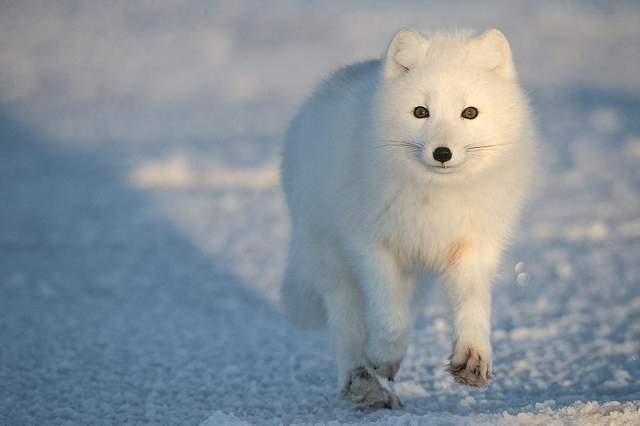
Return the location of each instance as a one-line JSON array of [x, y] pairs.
[[111, 313]]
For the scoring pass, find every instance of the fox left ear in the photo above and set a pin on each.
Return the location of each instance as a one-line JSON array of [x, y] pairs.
[[493, 50]]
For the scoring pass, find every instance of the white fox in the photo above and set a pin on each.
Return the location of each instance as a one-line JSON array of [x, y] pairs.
[[394, 168]]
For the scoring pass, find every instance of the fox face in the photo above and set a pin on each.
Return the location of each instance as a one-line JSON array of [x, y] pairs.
[[449, 108]]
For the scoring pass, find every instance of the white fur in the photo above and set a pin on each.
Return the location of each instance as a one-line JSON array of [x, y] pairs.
[[370, 218]]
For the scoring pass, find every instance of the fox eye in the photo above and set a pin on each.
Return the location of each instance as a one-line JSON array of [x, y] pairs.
[[420, 112], [469, 113]]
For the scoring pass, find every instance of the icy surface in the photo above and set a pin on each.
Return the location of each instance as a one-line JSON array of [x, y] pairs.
[[142, 231]]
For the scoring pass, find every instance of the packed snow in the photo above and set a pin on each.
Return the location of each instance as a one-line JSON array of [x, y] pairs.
[[143, 231]]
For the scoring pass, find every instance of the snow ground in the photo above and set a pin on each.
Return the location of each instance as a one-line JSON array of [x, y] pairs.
[[143, 232]]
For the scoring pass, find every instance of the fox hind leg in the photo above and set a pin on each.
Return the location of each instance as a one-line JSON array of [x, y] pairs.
[[302, 303]]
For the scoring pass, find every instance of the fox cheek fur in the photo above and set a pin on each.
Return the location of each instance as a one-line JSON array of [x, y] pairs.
[[414, 164]]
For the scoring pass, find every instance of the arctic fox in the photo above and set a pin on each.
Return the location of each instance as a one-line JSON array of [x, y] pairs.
[[418, 162]]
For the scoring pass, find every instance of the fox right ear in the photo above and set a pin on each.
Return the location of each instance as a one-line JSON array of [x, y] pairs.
[[404, 51], [494, 52]]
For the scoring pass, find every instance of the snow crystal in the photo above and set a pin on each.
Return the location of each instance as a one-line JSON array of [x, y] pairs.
[[523, 278]]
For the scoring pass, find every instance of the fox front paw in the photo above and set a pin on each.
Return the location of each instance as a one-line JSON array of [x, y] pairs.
[[365, 391], [384, 358], [470, 367]]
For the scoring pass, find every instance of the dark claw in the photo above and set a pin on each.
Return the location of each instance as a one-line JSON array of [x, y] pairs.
[[363, 373], [476, 371], [455, 368], [391, 378]]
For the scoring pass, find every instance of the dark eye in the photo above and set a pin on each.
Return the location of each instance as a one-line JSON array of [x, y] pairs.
[[420, 112], [469, 113]]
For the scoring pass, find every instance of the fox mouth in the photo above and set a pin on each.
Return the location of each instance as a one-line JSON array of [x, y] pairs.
[[444, 169]]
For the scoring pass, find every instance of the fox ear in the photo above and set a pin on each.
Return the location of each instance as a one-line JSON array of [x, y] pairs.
[[404, 51], [492, 48]]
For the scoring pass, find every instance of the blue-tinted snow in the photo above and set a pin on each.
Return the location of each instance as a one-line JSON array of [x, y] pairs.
[[142, 233]]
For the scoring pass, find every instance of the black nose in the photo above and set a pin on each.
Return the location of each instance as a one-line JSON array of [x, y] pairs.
[[442, 154]]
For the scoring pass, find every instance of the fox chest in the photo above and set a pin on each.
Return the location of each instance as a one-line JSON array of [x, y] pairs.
[[432, 234]]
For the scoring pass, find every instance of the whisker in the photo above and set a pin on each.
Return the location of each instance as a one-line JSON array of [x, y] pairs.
[[409, 145], [480, 149], [407, 141], [472, 146], [396, 144]]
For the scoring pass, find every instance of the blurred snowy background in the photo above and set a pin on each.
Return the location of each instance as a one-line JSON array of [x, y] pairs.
[[142, 231]]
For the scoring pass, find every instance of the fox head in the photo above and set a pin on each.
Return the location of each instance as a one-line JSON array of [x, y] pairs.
[[450, 105]]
